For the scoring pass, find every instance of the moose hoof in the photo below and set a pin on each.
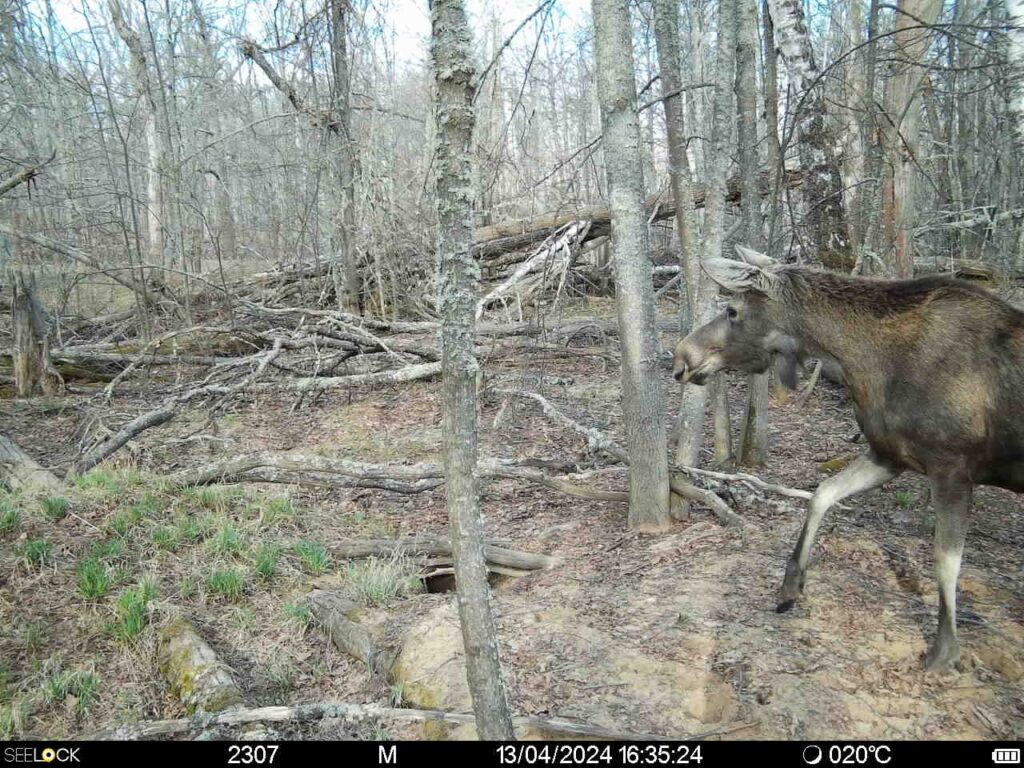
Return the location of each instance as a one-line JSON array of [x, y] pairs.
[[784, 606], [941, 656]]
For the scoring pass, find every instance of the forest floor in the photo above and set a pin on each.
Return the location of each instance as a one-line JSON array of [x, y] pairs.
[[672, 634]]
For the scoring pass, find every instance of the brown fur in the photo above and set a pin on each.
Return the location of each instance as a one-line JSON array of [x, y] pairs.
[[935, 367]]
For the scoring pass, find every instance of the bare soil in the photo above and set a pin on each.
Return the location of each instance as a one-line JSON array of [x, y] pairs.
[[690, 611]]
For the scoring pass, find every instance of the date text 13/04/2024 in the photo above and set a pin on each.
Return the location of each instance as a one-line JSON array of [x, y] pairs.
[[599, 754]]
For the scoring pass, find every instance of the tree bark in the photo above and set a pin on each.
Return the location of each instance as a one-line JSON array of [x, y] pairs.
[[700, 291], [154, 205], [346, 274], [1015, 55], [753, 447], [901, 127], [826, 237], [454, 76], [714, 209], [642, 397], [33, 372]]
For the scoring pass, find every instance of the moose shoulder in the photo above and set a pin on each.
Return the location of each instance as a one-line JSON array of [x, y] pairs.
[[935, 367]]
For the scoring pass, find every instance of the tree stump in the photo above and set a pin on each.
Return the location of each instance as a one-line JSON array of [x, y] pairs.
[[33, 372]]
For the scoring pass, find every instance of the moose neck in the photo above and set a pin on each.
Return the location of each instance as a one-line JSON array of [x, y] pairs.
[[832, 315]]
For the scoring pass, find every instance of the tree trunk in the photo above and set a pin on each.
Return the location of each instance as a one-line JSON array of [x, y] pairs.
[[714, 206], [753, 446], [33, 372], [346, 283], [901, 129], [642, 398], [1015, 55], [698, 305], [452, 60], [154, 204], [826, 238]]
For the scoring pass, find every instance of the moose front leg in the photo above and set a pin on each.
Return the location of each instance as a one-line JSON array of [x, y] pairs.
[[863, 474], [951, 497]]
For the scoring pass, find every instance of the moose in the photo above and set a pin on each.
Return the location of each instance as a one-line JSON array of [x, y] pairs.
[[935, 368]]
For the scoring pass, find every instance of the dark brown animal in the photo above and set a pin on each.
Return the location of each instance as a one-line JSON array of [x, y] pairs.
[[935, 367]]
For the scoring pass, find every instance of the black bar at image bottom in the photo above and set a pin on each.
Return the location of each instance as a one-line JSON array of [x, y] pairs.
[[704, 754]]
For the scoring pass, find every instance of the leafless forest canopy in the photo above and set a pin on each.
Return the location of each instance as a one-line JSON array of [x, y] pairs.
[[242, 177]]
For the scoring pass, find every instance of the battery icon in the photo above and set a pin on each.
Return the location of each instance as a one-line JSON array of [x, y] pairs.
[[1006, 756]]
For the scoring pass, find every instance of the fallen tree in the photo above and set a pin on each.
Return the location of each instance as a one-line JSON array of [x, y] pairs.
[[499, 239]]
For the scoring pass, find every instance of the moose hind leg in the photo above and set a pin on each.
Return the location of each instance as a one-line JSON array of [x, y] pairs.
[[863, 474], [952, 499]]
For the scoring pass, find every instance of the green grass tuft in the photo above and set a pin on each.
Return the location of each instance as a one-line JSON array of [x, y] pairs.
[[299, 613], [313, 556], [275, 511], [226, 541], [10, 518], [165, 539], [55, 507], [14, 718], [267, 558], [903, 498], [226, 582], [35, 553], [379, 580], [84, 686], [93, 578], [130, 611]]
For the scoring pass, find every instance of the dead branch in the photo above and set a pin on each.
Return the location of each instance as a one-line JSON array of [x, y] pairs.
[[501, 238], [363, 712], [143, 290], [437, 546], [709, 499], [165, 413], [332, 611], [323, 471], [598, 440], [805, 395], [750, 480], [25, 176]]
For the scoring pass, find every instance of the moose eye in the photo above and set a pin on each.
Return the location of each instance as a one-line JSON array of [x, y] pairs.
[[731, 313]]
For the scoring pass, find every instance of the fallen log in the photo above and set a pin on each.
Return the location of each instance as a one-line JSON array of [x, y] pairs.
[[346, 625], [196, 676], [363, 712], [164, 413], [438, 546], [323, 471], [499, 239]]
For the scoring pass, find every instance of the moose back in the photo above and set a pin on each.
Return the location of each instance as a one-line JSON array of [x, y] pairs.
[[935, 367]]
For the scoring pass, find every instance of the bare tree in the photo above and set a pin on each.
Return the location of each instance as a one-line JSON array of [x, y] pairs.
[[722, 120], [753, 446], [901, 128], [642, 396], [346, 261], [454, 74], [698, 291], [822, 188]]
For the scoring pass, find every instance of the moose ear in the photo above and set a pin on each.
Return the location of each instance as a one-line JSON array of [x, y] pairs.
[[756, 258], [738, 277]]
